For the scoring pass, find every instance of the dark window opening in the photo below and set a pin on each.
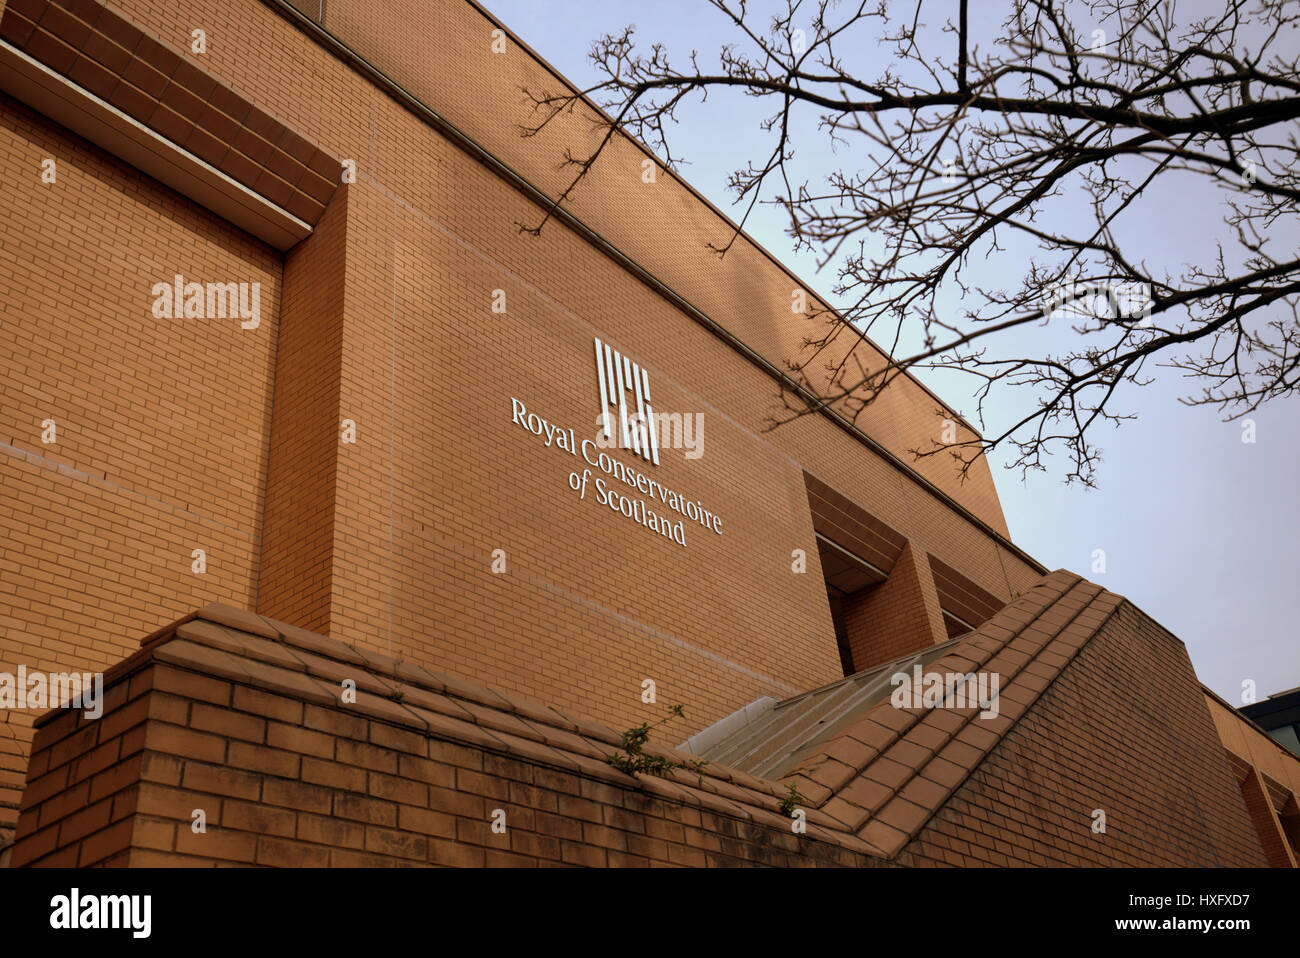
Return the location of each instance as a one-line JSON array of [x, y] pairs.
[[847, 575]]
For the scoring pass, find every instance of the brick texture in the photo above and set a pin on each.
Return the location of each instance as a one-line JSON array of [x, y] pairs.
[[383, 782], [182, 434], [1278, 847], [160, 424], [306, 431], [1096, 712], [1122, 729], [850, 526], [400, 558], [236, 722], [899, 616], [961, 597]]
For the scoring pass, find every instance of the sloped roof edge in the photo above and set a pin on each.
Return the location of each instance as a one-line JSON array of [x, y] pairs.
[[888, 773]]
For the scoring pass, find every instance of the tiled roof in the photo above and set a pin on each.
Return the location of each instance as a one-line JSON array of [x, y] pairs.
[[887, 771]]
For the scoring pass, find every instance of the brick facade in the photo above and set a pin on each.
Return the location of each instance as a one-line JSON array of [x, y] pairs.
[[155, 84], [174, 435], [447, 536], [161, 426], [898, 616]]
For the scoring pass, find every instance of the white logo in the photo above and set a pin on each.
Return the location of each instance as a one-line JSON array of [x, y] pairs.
[[52, 690], [946, 690], [626, 385], [75, 910], [1100, 300], [179, 299]]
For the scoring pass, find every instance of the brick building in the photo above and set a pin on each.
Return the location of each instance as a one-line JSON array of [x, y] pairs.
[[278, 350]]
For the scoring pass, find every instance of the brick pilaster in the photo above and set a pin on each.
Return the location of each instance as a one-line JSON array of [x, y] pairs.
[[899, 616]]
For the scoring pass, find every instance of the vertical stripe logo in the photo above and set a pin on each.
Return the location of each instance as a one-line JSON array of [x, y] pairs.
[[627, 418]]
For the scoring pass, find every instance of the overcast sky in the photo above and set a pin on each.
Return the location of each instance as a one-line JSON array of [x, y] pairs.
[[1199, 528]]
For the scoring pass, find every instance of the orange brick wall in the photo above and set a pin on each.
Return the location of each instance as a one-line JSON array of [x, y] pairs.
[[13, 772], [82, 783], [667, 229], [1277, 845], [430, 235], [166, 429], [298, 546], [240, 717], [591, 603], [1124, 729], [267, 59], [161, 423], [1269, 777], [158, 86]]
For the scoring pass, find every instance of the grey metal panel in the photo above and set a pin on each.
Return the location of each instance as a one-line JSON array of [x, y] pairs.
[[772, 742]]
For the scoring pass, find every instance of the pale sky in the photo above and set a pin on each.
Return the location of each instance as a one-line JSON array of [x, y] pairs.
[[1199, 528]]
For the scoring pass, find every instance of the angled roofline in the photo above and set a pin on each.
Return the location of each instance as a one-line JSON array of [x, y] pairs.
[[419, 108], [685, 184]]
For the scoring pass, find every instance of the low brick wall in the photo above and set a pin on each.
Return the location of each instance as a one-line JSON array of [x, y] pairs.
[[240, 718]]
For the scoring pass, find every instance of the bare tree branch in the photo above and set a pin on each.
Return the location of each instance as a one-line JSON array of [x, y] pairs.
[[969, 156]]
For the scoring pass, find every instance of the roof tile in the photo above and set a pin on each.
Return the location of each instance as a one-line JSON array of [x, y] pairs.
[[432, 701], [851, 752], [904, 815], [498, 720], [924, 792], [192, 655], [536, 751], [846, 813], [568, 741], [897, 720], [242, 643], [909, 753], [872, 733], [887, 772], [593, 731], [312, 642], [829, 772], [814, 792], [887, 838], [445, 727], [866, 793], [384, 708], [239, 619], [944, 771]]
